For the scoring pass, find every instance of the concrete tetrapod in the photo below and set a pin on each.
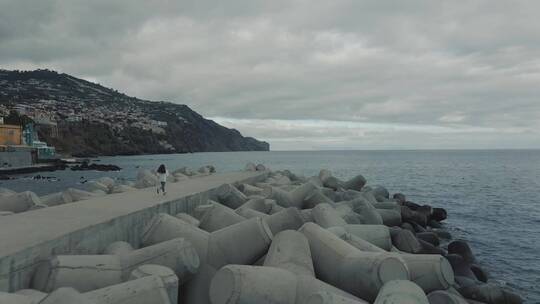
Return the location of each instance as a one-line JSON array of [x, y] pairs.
[[278, 180], [380, 193], [324, 174], [316, 198], [231, 197], [36, 294], [293, 198], [20, 202], [330, 181], [217, 216], [389, 217], [367, 193], [188, 218], [66, 295], [334, 183], [307, 215], [13, 298], [355, 241], [315, 180], [401, 292], [366, 210], [355, 183], [167, 275], [242, 243], [89, 272], [349, 195], [288, 218], [145, 179], [80, 195], [179, 177], [444, 297], [429, 271], [326, 216], [405, 240], [345, 267], [378, 235], [345, 211], [54, 199], [95, 185], [290, 250], [249, 213], [325, 297], [243, 284], [331, 194], [119, 248], [148, 289], [248, 189], [258, 203]]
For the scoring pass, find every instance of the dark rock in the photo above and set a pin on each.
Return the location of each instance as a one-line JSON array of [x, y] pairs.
[[408, 226], [434, 224], [439, 214], [462, 281], [411, 205], [490, 294], [417, 227], [400, 198], [405, 240], [425, 210], [460, 266], [428, 248], [409, 215], [443, 234], [479, 273], [96, 167], [462, 248], [429, 237]]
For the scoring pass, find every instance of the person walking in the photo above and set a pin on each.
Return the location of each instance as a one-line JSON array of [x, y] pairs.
[[162, 174]]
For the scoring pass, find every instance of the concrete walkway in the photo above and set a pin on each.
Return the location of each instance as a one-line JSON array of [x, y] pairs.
[[88, 226]]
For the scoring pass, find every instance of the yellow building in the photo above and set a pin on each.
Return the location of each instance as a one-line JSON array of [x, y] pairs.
[[10, 135]]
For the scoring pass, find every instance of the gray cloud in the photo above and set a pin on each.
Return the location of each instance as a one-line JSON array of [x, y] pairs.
[[372, 74]]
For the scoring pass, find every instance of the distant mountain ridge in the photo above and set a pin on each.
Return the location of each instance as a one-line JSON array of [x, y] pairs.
[[93, 120]]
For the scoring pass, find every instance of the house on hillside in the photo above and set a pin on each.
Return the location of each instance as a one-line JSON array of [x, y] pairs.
[[20, 147], [13, 153]]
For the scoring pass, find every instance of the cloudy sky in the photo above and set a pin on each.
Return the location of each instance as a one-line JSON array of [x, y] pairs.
[[305, 74]]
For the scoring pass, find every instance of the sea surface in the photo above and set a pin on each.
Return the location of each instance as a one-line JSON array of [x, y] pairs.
[[492, 196]]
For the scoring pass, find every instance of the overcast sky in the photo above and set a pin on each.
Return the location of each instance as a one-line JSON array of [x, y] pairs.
[[304, 74]]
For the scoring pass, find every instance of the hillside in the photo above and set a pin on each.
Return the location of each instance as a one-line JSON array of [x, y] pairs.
[[94, 120]]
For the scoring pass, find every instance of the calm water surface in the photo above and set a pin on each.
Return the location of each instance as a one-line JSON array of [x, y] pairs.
[[493, 197]]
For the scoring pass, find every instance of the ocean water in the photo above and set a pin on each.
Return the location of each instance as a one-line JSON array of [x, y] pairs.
[[492, 197]]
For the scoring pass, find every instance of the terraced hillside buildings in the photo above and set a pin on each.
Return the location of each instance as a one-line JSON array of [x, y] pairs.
[[86, 119]]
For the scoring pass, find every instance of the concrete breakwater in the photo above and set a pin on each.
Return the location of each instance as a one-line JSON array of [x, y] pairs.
[[248, 237]]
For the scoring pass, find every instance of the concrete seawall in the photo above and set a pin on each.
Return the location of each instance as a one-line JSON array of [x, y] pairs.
[[87, 227]]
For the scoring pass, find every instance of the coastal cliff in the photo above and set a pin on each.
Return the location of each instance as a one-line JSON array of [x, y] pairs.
[[91, 120]]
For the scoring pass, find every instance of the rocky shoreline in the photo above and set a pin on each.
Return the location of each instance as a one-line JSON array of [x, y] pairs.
[[287, 239]]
